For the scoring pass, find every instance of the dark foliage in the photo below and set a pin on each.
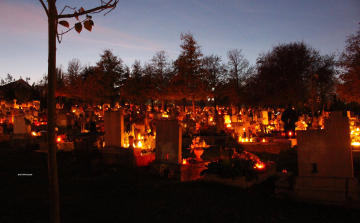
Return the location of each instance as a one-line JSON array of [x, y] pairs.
[[232, 168]]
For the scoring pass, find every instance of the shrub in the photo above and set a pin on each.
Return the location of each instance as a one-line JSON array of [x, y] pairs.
[[232, 168]]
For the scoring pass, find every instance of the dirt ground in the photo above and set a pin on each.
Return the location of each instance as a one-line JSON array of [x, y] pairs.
[[99, 193]]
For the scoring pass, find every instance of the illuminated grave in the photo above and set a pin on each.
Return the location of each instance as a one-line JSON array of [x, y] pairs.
[[168, 154], [114, 151], [22, 132]]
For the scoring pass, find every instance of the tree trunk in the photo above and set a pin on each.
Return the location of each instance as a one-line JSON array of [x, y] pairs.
[[162, 105], [215, 101], [152, 106], [52, 164], [184, 104], [165, 104]]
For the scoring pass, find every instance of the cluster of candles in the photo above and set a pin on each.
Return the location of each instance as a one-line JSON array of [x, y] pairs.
[[249, 139], [355, 136], [140, 142]]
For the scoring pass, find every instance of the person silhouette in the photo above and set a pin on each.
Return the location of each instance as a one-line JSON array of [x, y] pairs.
[[289, 117]]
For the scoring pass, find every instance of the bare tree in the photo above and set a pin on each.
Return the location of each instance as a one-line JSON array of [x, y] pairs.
[[237, 66], [161, 79], [53, 21], [215, 73], [349, 61], [239, 71], [8, 79]]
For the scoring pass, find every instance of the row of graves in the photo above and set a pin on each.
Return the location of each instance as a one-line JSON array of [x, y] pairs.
[[17, 121], [325, 153], [9, 112], [163, 141]]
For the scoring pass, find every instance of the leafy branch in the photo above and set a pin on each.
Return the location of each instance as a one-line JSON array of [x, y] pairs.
[[87, 23]]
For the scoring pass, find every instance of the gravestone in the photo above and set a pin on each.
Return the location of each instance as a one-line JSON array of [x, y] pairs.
[[220, 123], [132, 128], [168, 142], [238, 128], [227, 119], [61, 120], [20, 126], [325, 162], [350, 114], [82, 121], [265, 118], [234, 118], [114, 128], [114, 152], [140, 129], [233, 110], [168, 156], [246, 129]]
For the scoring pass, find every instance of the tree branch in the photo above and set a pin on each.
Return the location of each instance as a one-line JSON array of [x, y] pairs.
[[65, 8], [46, 11], [60, 34], [94, 10]]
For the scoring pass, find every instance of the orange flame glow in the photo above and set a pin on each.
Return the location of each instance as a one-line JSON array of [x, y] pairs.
[[139, 144], [259, 165]]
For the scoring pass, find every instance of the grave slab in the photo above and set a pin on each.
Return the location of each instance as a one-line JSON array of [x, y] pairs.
[[325, 162]]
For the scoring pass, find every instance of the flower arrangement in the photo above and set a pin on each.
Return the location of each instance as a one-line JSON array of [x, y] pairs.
[[246, 156], [241, 164], [232, 169], [29, 119], [149, 145], [197, 144], [249, 156]]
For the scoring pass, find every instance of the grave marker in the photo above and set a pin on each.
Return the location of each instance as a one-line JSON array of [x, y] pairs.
[[168, 142], [325, 162], [114, 128]]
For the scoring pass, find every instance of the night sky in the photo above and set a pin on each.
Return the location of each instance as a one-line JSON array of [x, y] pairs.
[[137, 29]]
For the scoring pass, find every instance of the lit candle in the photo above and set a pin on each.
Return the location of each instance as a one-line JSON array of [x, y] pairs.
[[139, 144]]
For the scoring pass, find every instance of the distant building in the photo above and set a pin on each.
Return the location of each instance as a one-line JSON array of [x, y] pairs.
[[19, 90]]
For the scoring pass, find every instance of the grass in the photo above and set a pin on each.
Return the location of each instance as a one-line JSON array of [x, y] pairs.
[[118, 194]]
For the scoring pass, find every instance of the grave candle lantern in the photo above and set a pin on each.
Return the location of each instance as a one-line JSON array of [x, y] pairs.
[[139, 144]]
